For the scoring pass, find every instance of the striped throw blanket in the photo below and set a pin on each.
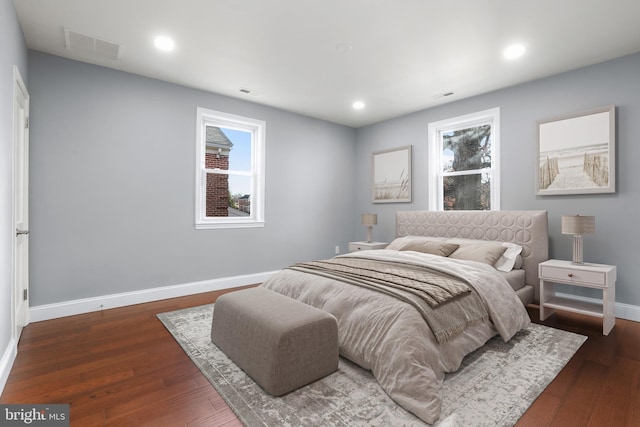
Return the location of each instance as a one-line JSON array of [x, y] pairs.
[[446, 303]]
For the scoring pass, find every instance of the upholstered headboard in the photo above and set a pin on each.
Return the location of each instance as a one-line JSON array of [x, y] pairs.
[[526, 228]]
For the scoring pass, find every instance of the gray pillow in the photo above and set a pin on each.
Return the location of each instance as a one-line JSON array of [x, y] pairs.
[[427, 247], [399, 242], [487, 253]]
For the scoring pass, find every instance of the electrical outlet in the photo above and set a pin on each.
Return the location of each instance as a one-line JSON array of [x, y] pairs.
[[337, 249]]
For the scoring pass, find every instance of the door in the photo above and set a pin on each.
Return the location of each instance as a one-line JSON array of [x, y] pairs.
[[21, 204]]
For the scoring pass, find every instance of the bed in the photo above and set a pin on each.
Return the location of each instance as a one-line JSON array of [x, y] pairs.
[[395, 307]]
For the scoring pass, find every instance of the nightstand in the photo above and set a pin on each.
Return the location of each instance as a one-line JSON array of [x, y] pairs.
[[597, 276], [363, 246]]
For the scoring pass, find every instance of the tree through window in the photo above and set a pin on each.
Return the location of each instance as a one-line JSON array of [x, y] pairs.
[[463, 162]]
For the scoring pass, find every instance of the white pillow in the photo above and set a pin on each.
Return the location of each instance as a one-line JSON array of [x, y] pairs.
[[508, 258]]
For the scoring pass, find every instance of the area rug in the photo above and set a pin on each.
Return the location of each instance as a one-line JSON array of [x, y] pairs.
[[494, 387]]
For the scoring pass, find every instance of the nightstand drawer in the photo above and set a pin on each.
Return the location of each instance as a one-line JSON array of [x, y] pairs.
[[573, 275], [364, 246], [356, 247]]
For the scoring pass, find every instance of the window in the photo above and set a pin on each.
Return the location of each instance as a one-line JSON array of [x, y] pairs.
[[463, 162], [229, 170]]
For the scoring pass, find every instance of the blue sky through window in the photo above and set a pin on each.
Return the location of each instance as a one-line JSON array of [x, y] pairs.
[[239, 160]]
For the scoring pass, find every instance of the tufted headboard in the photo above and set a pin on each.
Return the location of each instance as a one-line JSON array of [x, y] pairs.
[[526, 228]]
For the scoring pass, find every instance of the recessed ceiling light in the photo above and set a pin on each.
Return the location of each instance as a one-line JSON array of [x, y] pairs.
[[358, 105], [164, 43], [514, 51]]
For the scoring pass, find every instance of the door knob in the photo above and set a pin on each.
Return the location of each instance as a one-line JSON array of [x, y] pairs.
[[19, 232]]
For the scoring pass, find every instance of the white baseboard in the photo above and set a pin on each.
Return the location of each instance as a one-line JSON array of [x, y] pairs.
[[623, 311], [6, 363], [87, 305], [628, 312]]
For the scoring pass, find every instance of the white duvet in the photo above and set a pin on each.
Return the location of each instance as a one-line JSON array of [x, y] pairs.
[[390, 337]]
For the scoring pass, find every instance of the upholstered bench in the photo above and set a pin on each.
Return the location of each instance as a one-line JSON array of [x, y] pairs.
[[281, 343]]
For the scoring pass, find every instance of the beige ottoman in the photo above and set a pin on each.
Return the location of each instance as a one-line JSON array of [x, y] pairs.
[[281, 343]]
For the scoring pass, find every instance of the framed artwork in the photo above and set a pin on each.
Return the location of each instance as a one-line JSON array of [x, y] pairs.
[[391, 170], [577, 153]]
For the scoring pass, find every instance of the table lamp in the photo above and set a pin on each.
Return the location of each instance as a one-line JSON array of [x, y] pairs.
[[578, 225], [369, 220]]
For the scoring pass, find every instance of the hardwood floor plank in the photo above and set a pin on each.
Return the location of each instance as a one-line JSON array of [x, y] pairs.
[[541, 412], [225, 418], [141, 402], [614, 402], [93, 419], [105, 397], [582, 385], [561, 384], [167, 415], [633, 416], [180, 400], [69, 376], [164, 365], [578, 405], [630, 342]]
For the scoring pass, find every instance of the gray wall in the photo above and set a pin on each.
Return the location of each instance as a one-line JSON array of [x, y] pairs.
[[13, 51], [112, 178], [617, 233], [112, 186]]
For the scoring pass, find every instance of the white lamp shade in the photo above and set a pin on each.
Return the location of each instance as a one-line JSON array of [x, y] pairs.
[[578, 224], [369, 219]]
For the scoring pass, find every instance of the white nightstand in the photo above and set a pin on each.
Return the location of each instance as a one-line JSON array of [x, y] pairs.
[[598, 276], [363, 246]]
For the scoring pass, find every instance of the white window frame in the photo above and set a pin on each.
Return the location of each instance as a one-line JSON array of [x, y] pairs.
[[436, 176], [257, 129]]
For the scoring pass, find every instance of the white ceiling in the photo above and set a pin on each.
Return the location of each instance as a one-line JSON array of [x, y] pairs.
[[316, 57]]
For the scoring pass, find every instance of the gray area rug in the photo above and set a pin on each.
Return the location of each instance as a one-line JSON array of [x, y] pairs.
[[494, 387]]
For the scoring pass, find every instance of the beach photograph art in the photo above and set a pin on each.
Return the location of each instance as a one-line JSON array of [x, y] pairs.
[[577, 154]]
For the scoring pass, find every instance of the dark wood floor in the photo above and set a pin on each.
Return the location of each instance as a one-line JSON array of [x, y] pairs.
[[600, 386], [121, 367]]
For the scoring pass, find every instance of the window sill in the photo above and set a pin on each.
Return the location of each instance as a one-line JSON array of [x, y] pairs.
[[235, 224]]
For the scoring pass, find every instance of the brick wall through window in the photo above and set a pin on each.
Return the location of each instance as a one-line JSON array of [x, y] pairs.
[[217, 195]]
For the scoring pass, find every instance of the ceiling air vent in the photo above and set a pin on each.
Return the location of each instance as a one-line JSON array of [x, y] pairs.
[[247, 91], [442, 95], [88, 44]]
